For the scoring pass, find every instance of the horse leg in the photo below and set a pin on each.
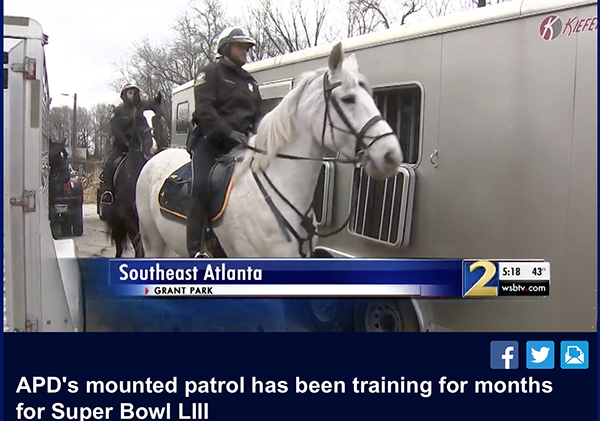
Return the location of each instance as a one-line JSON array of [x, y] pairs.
[[133, 232], [119, 251], [134, 237]]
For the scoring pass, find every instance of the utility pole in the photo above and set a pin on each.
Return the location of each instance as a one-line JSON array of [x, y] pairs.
[[74, 132], [74, 145]]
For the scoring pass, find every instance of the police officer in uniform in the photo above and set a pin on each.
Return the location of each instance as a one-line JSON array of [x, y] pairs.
[[226, 113], [123, 124]]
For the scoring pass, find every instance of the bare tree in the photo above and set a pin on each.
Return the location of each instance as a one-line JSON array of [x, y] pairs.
[[409, 7], [61, 124], [198, 32], [161, 67], [102, 137], [287, 27], [365, 16]]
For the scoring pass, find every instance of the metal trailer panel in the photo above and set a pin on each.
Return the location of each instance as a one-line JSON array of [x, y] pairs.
[[517, 156], [579, 300], [14, 230], [36, 286], [504, 141]]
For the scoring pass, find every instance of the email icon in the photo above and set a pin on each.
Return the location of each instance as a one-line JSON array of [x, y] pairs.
[[574, 354]]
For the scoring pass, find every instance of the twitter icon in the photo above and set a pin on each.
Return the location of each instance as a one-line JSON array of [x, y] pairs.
[[540, 354]]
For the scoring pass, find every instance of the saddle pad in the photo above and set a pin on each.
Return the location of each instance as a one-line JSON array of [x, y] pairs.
[[175, 191]]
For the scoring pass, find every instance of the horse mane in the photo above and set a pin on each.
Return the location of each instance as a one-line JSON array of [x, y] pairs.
[[277, 128]]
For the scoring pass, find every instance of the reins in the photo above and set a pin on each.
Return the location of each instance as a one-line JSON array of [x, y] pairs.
[[361, 146]]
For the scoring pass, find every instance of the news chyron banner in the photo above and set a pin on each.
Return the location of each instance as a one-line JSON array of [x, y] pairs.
[[237, 278], [504, 278]]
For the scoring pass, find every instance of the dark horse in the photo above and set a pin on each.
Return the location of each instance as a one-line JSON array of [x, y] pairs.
[[122, 218]]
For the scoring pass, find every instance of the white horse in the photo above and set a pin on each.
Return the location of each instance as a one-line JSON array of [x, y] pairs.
[[330, 108]]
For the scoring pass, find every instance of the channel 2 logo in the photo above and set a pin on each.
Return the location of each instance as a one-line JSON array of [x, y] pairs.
[[551, 27]]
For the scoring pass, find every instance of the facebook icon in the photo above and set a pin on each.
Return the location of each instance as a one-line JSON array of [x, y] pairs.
[[504, 355]]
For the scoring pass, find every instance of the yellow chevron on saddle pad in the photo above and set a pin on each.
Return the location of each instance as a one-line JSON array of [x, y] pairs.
[[175, 191]]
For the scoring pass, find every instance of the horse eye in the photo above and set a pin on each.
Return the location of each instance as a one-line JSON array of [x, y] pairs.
[[349, 99]]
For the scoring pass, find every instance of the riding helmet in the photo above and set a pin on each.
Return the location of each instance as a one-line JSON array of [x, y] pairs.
[[233, 35]]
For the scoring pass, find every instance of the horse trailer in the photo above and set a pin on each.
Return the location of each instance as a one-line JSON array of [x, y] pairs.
[[41, 275], [495, 109]]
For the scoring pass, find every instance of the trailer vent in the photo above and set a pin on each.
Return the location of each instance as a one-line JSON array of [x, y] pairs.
[[323, 206], [383, 210]]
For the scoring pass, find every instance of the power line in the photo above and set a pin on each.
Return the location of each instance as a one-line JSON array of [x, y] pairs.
[[121, 35], [91, 23], [124, 49]]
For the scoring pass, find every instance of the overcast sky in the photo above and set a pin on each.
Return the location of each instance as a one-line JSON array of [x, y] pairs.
[[87, 37]]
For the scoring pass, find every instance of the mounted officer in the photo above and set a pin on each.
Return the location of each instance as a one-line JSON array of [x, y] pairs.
[[127, 118], [226, 112]]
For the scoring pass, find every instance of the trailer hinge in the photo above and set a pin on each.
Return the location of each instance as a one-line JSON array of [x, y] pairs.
[[28, 68], [30, 326], [27, 201]]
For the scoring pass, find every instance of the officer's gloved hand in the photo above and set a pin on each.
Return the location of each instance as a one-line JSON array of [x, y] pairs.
[[238, 137]]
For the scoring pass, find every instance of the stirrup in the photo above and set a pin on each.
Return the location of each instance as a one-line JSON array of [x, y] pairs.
[[106, 198], [202, 255]]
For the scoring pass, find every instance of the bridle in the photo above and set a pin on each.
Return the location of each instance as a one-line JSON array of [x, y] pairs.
[[139, 144], [361, 147]]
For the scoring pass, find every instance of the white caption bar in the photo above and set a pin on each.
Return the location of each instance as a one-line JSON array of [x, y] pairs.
[[524, 271], [280, 290]]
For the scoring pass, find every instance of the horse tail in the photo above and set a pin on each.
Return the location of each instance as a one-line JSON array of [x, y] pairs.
[[117, 228]]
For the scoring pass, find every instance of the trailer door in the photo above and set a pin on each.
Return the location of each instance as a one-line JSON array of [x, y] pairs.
[[14, 216]]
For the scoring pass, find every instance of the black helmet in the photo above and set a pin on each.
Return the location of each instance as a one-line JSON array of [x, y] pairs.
[[233, 35], [128, 86]]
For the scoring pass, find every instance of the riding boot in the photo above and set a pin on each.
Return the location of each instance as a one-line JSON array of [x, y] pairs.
[[196, 229]]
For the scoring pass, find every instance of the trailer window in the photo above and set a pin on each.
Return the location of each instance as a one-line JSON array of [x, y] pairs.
[[401, 107], [182, 117], [267, 105]]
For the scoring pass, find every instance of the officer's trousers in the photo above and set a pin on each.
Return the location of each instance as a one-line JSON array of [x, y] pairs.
[[204, 154]]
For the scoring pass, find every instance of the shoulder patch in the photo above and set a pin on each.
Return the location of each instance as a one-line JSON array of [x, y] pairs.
[[200, 79]]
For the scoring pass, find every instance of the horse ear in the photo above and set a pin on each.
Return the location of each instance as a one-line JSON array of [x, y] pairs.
[[351, 63], [336, 58]]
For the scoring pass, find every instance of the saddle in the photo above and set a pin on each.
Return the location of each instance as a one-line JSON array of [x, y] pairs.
[[117, 165], [176, 190]]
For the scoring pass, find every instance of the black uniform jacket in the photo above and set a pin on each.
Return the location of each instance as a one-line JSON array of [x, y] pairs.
[[227, 99], [124, 118]]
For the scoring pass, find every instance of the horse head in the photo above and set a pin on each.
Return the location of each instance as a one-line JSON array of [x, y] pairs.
[[357, 130], [147, 144], [158, 124]]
